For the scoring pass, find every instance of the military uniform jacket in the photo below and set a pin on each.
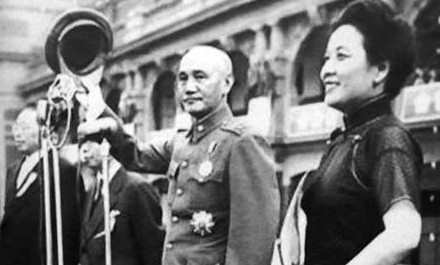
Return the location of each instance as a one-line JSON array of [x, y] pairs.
[[223, 191]]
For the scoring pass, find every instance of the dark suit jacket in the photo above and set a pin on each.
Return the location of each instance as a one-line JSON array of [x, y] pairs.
[[136, 237], [22, 238]]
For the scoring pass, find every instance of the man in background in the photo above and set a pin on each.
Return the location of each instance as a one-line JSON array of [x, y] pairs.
[[135, 212], [22, 240]]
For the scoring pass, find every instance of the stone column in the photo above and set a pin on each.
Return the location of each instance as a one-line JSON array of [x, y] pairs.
[[260, 44], [127, 81], [152, 71], [136, 92], [313, 13], [278, 62], [259, 106], [228, 43], [137, 80], [137, 97]]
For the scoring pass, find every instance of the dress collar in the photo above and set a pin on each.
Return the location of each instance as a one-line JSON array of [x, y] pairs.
[[370, 110], [202, 127]]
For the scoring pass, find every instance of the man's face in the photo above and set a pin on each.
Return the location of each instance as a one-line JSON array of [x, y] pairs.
[[25, 131], [90, 154], [203, 81]]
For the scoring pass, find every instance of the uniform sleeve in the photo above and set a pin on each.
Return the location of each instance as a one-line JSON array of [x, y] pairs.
[[146, 219], [396, 168], [153, 157], [254, 203]]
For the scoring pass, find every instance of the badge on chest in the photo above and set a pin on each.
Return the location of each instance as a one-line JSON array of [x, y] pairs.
[[206, 167]]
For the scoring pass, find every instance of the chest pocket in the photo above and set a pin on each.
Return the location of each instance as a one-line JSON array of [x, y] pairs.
[[209, 164], [172, 175], [208, 170]]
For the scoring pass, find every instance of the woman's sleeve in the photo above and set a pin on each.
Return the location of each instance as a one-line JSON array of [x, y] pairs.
[[397, 162]]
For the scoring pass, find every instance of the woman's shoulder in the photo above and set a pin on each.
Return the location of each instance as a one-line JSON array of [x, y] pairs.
[[390, 134]]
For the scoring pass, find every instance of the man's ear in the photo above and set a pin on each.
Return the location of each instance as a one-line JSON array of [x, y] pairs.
[[383, 70], [229, 82]]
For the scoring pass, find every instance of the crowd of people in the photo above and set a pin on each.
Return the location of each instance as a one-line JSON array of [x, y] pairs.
[[361, 203]]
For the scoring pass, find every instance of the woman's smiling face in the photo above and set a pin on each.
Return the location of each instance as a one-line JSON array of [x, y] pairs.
[[346, 73]]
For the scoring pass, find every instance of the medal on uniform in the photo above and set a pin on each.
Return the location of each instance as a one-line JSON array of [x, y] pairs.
[[202, 223], [205, 168]]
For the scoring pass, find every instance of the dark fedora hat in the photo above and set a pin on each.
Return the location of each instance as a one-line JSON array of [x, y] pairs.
[[92, 32]]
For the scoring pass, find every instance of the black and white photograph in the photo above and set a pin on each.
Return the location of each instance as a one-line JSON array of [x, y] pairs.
[[220, 132]]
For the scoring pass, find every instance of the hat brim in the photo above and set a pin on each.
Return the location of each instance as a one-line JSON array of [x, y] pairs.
[[66, 19]]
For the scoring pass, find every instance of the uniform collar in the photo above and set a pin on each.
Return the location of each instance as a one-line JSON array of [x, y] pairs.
[[204, 126], [370, 110]]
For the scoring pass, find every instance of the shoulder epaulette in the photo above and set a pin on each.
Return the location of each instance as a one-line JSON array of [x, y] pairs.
[[234, 126]]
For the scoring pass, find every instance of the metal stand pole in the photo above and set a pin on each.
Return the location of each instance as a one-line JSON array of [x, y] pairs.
[[59, 221], [43, 111], [47, 208], [106, 198]]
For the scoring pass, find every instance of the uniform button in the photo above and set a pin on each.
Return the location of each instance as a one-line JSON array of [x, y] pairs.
[[169, 246], [200, 128], [175, 219], [184, 164], [179, 192]]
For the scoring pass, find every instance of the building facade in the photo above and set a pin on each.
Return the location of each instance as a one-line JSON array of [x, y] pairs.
[[23, 26], [276, 47]]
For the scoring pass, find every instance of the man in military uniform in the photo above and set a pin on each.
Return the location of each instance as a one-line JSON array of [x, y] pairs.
[[223, 192]]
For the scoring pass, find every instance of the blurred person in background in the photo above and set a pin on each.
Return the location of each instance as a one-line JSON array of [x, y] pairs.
[[22, 240], [135, 212]]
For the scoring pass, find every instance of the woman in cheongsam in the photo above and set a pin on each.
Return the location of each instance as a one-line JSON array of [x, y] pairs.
[[362, 202]]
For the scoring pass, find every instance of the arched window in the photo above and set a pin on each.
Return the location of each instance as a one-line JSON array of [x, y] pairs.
[[308, 64], [163, 99]]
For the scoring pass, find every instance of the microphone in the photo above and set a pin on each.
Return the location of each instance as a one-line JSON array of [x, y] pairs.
[[101, 125], [63, 87]]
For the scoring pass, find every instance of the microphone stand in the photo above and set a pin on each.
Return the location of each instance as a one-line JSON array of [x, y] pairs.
[[63, 89], [105, 148], [47, 207], [46, 146], [59, 220]]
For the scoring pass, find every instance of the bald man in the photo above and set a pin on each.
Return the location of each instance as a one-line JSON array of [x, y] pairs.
[[223, 192], [22, 229]]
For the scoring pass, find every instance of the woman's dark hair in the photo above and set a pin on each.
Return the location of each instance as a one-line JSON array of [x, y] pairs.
[[387, 38]]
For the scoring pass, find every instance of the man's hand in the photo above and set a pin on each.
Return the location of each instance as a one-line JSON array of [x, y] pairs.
[[96, 126], [90, 96]]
